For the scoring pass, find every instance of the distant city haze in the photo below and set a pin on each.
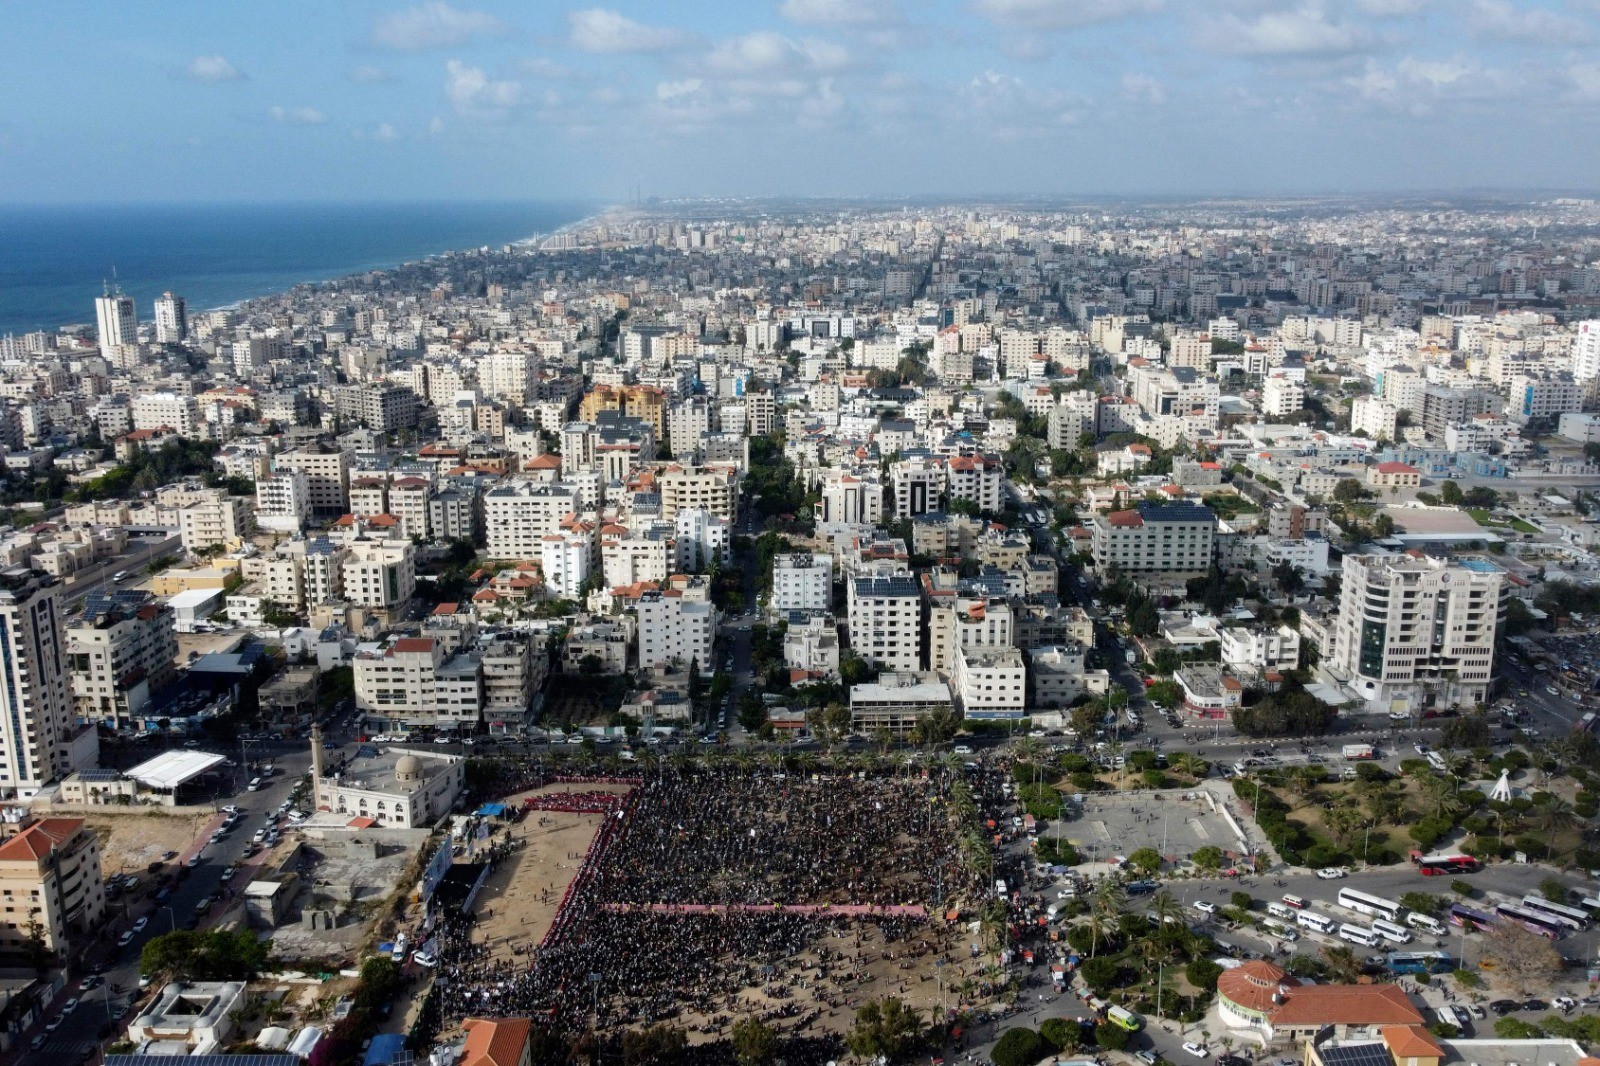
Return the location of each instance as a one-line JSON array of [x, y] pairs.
[[56, 258], [185, 101]]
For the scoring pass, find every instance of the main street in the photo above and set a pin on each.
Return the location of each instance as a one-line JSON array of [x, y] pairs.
[[141, 553]]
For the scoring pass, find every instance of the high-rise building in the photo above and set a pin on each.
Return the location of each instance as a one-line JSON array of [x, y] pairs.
[[116, 321], [1415, 631], [1171, 537], [885, 621], [36, 715], [52, 870], [172, 319], [120, 654], [1586, 351]]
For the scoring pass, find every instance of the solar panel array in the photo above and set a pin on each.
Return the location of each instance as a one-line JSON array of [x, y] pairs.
[[1373, 1054], [210, 1060]]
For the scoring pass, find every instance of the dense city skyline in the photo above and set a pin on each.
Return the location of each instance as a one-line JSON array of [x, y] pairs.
[[470, 100]]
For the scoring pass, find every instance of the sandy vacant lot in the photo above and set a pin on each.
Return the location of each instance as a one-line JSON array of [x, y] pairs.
[[131, 842], [523, 894]]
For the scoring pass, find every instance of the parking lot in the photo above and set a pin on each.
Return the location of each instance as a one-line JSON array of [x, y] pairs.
[[1176, 823]]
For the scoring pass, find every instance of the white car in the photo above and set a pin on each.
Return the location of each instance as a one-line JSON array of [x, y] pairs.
[[1199, 1051], [422, 958], [1332, 873], [1205, 908], [963, 749], [138, 925]]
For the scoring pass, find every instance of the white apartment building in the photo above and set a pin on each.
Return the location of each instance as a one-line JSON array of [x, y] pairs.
[[220, 519], [1416, 632], [990, 682], [1155, 537], [116, 322], [1058, 675], [1260, 648], [1281, 396], [409, 501], [918, 485], [283, 502], [38, 744], [976, 479], [885, 621], [675, 628], [701, 539], [1586, 351], [520, 514], [1531, 397], [709, 488], [813, 646], [172, 319], [627, 557], [850, 499], [1377, 417], [327, 472], [118, 657], [972, 621], [412, 682], [380, 574], [566, 558], [801, 582], [167, 410]]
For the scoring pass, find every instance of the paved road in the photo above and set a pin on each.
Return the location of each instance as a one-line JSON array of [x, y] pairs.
[[142, 551], [80, 1032]]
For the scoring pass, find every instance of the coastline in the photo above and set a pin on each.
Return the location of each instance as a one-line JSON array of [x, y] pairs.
[[227, 256]]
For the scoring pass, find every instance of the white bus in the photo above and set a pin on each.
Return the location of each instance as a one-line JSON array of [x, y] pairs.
[[1425, 924], [1280, 910], [1371, 906], [1315, 922], [1358, 934], [1279, 929], [1390, 932], [1571, 917]]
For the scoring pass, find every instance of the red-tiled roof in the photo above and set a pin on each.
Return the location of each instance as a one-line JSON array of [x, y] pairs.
[[39, 839], [1347, 1005], [413, 644], [1397, 468], [1411, 1042]]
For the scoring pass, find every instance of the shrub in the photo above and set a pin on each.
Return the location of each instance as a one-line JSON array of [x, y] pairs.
[[1516, 1029], [1019, 1047], [1463, 888], [1112, 1037], [1202, 973], [1467, 979], [1060, 1033]]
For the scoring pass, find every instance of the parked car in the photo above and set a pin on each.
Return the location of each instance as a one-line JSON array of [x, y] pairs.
[[1332, 873], [1205, 907], [125, 939], [1199, 1051], [142, 921]]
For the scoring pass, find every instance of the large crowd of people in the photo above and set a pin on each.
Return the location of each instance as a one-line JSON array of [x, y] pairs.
[[750, 844]]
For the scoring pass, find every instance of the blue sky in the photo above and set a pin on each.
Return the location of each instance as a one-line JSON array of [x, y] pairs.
[[440, 99]]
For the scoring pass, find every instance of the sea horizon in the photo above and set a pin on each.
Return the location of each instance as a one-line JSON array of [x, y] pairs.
[[57, 257]]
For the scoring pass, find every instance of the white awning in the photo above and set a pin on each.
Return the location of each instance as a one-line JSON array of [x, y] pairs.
[[173, 768]]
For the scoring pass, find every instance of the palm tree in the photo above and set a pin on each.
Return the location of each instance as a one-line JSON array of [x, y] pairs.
[[1165, 908], [1441, 795], [1343, 966], [1555, 816], [1027, 749], [1100, 928], [1187, 763], [806, 763], [992, 925]]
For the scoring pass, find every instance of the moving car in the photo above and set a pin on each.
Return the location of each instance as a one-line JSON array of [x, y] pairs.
[[422, 958], [1332, 873], [125, 939], [1204, 907], [1199, 1051], [138, 926]]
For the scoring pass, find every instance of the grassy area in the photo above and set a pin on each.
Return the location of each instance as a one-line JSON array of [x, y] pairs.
[[1482, 516]]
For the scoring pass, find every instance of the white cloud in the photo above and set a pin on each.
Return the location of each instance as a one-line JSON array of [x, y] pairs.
[[436, 125], [212, 69], [370, 76], [434, 24], [1143, 89], [471, 91], [1583, 80], [608, 32], [1061, 14], [1392, 9], [297, 116], [673, 90], [839, 12], [771, 53], [383, 132], [543, 67], [1500, 20], [1304, 30], [1008, 108]]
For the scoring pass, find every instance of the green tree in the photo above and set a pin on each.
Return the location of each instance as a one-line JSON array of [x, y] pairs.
[[755, 1043], [1060, 1033], [1450, 494], [886, 1028], [1208, 858], [1019, 1047], [1146, 860], [1112, 1037], [213, 955], [1421, 902], [657, 1045]]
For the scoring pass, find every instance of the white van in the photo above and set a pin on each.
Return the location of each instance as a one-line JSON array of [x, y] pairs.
[[1280, 929], [1424, 923], [1281, 910], [254, 785], [1358, 934]]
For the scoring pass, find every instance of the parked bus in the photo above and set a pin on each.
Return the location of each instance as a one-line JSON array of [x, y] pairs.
[[1571, 917], [1423, 923], [1358, 934], [1391, 932], [1317, 923], [1372, 906], [1420, 962], [1468, 918], [1126, 1019], [1591, 903], [1436, 865], [1280, 929], [1544, 925]]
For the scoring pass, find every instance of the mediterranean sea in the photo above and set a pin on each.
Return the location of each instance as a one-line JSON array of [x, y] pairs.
[[54, 259]]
